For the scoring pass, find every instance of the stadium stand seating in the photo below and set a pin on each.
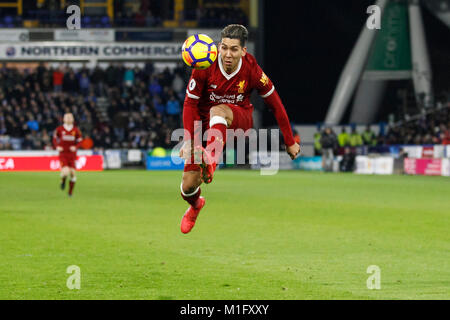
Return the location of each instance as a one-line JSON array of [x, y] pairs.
[[114, 113]]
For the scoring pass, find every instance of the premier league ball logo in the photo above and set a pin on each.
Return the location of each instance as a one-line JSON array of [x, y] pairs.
[[10, 52]]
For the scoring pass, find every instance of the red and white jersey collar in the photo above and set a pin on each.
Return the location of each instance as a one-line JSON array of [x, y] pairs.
[[68, 127], [231, 75]]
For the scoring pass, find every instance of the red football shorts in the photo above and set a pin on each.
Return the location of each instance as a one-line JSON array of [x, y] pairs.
[[67, 160], [242, 119]]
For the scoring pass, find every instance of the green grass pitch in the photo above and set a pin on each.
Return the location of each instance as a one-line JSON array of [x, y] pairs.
[[291, 236]]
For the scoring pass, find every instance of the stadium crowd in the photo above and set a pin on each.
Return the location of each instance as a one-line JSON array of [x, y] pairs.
[[117, 107], [429, 128], [138, 13], [138, 107]]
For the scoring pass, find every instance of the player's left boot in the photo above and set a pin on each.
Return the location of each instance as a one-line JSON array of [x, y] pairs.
[[190, 216]]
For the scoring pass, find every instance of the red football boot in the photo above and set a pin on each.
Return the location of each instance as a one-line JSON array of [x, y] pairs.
[[190, 216], [208, 166]]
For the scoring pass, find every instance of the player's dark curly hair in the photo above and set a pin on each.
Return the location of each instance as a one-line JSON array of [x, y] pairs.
[[235, 31]]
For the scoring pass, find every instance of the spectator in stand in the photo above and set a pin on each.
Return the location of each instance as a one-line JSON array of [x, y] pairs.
[[150, 20], [154, 87], [160, 107], [139, 19], [98, 80], [179, 86], [119, 74], [70, 83], [47, 81], [3, 129], [46, 140], [58, 77], [110, 75], [40, 70], [129, 78], [347, 164], [84, 84], [329, 144], [173, 109], [445, 137], [32, 124]]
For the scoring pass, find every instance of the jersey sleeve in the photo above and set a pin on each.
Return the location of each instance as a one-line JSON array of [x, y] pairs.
[[56, 137], [195, 86], [266, 90], [194, 91], [78, 138], [261, 82]]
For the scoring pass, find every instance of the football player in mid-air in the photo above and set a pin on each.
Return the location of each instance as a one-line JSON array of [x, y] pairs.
[[67, 139], [219, 97]]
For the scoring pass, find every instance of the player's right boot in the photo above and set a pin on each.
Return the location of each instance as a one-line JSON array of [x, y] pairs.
[[190, 216]]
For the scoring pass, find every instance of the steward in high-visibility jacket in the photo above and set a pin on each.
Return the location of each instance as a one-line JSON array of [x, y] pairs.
[[343, 138], [317, 144], [369, 138], [355, 139]]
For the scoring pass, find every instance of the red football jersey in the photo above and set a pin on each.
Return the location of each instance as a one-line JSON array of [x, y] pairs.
[[213, 86], [65, 137]]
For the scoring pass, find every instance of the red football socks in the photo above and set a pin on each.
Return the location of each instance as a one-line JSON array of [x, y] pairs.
[[216, 143], [71, 186], [192, 199]]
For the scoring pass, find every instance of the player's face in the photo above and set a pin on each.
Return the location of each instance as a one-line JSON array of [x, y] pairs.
[[231, 52], [68, 119]]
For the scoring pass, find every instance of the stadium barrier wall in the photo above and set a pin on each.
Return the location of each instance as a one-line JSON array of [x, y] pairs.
[[282, 161], [164, 163], [412, 166], [428, 167], [88, 160], [47, 161], [374, 165]]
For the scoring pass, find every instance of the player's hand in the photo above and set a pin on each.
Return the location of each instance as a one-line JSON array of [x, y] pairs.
[[59, 148], [293, 150], [185, 150], [73, 148]]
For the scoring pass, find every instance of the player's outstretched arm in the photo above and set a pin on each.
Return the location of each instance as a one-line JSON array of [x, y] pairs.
[[275, 104], [266, 90]]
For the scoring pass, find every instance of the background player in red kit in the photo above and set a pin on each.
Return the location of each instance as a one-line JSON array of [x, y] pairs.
[[67, 139], [219, 97]]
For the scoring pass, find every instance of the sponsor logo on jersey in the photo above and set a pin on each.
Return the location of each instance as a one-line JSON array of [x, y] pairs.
[[227, 98], [66, 137], [214, 86]]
